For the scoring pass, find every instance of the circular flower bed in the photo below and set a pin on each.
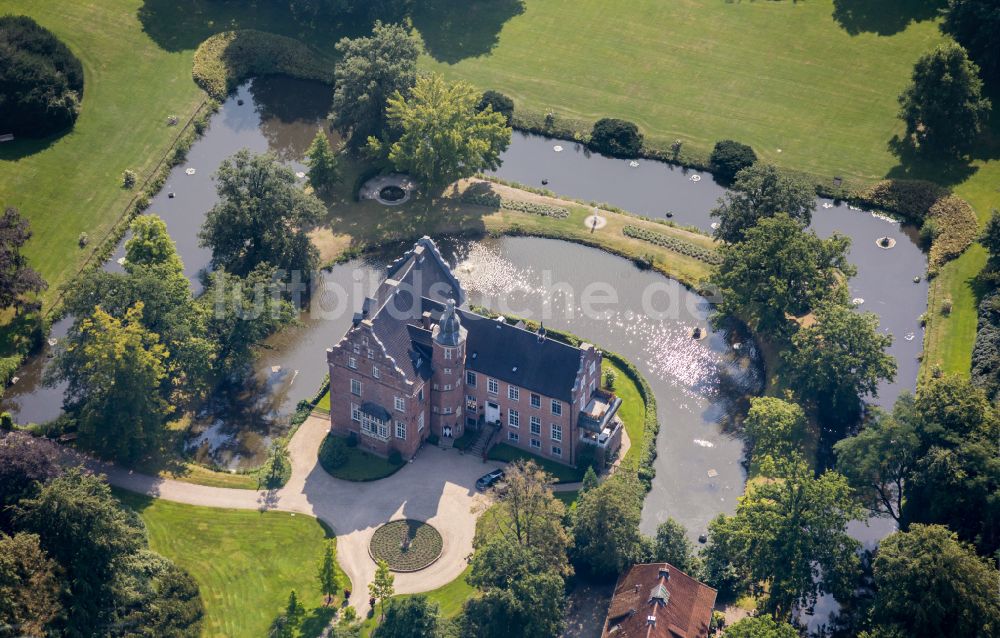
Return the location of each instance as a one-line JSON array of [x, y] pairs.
[[407, 545]]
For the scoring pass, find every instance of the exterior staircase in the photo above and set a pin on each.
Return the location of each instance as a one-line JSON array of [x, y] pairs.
[[485, 434]]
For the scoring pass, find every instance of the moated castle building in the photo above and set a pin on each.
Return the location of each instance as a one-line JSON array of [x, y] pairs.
[[414, 363]]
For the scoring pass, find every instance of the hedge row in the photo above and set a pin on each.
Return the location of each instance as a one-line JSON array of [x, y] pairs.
[[226, 59], [672, 243], [956, 228], [986, 352], [533, 208]]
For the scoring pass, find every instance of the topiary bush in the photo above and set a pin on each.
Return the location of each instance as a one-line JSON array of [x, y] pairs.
[[494, 200], [618, 138], [957, 228], [729, 157], [333, 452], [500, 103], [41, 81]]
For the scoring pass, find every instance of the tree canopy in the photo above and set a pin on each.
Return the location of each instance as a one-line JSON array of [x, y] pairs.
[[41, 81], [410, 617], [442, 135], [780, 271], [322, 163], [729, 157], [673, 546], [262, 216], [774, 427], [618, 138], [974, 24], [788, 537], [943, 107], [761, 627], [606, 526], [838, 360], [760, 191], [113, 369], [30, 584], [371, 70], [929, 584], [17, 279], [499, 102]]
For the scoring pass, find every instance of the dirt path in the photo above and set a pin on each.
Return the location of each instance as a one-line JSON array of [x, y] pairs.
[[438, 486]]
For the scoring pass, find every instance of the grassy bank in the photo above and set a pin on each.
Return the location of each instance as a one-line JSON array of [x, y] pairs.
[[245, 562]]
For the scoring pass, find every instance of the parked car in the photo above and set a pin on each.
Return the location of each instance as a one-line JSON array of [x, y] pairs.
[[487, 481]]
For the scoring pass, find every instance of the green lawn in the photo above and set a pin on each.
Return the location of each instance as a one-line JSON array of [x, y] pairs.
[[632, 411], [775, 75], [449, 599], [561, 473], [360, 466], [245, 562]]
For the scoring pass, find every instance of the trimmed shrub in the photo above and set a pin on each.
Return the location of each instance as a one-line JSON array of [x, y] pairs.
[[226, 59], [500, 103], [333, 452], [673, 243], [958, 228], [41, 81], [618, 138], [395, 457], [729, 157], [986, 353]]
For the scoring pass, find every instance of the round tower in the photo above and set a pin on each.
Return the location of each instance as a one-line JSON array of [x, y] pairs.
[[448, 374]]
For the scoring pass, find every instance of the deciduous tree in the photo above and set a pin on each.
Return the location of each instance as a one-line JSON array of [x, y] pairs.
[[328, 573], [443, 137], [974, 24], [381, 588], [780, 271], [371, 69], [410, 617], [838, 360], [761, 627], [262, 217], [930, 584], [17, 279], [113, 369], [789, 536], [774, 427], [673, 546], [943, 107], [30, 582], [760, 191], [606, 526]]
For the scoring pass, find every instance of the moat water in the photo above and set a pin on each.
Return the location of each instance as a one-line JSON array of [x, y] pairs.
[[699, 384]]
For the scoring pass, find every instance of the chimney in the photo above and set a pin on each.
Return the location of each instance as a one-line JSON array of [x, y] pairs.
[[541, 332], [651, 621], [425, 320]]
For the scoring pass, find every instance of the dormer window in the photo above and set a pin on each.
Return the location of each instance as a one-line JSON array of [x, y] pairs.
[[448, 353], [376, 373]]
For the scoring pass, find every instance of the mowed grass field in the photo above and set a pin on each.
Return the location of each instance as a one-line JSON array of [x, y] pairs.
[[245, 562], [775, 75]]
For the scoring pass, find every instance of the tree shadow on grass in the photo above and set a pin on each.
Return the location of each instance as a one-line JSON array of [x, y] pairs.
[[26, 147], [454, 30], [947, 171], [317, 620], [883, 17], [181, 25]]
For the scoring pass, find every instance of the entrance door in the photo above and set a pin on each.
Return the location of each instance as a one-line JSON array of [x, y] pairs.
[[492, 412]]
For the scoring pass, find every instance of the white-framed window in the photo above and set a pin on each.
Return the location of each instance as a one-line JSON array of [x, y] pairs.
[[536, 444], [364, 340], [356, 387], [536, 400], [593, 364], [470, 378], [420, 394], [513, 419], [447, 386], [400, 430], [355, 413], [400, 403], [556, 408], [447, 371], [513, 436], [447, 410], [536, 425], [371, 353], [513, 393], [376, 373], [471, 404], [357, 348], [555, 432], [556, 450], [492, 386], [374, 426], [583, 401], [420, 422], [352, 363], [448, 354]]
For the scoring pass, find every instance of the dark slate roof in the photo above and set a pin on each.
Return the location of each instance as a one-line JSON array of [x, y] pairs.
[[421, 272], [515, 355], [376, 410]]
